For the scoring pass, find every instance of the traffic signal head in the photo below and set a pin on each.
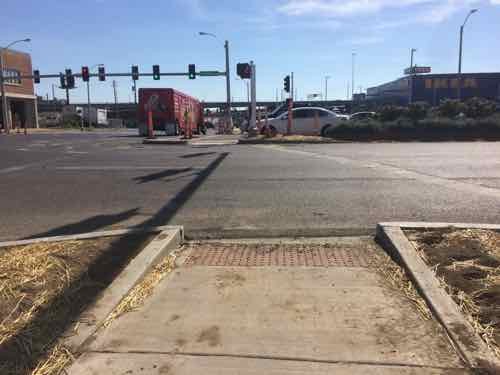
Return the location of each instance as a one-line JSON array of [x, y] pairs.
[[102, 73], [135, 72], [85, 73], [62, 80], [286, 83], [192, 71], [36, 76], [70, 79], [244, 70], [156, 72]]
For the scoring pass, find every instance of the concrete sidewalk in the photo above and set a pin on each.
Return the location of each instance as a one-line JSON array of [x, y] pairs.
[[293, 308]]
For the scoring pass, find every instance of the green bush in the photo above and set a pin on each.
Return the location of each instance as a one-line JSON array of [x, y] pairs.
[[391, 112], [479, 108], [418, 111], [450, 108]]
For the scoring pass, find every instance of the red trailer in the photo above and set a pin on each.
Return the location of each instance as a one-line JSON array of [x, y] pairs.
[[172, 110]]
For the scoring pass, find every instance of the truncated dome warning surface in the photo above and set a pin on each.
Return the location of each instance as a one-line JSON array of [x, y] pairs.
[[280, 255]]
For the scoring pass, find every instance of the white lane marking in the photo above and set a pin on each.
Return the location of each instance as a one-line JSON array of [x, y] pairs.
[[390, 169], [14, 169], [120, 168]]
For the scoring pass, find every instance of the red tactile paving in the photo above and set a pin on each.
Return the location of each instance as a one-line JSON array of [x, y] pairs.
[[281, 255]]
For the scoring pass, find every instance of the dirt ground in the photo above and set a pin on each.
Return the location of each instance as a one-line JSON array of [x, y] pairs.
[[45, 286], [468, 264]]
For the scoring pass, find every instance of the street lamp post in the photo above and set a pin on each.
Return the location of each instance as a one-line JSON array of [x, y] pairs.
[[88, 95], [410, 97], [471, 12], [326, 87], [352, 80], [5, 116], [228, 78]]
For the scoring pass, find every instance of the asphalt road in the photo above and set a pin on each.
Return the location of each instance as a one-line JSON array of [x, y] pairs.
[[69, 183]]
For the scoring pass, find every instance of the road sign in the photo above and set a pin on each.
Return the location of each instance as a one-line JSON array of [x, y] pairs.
[[417, 70], [210, 73]]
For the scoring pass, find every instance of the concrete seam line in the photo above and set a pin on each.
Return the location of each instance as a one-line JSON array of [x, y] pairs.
[[83, 236], [130, 276], [472, 348], [276, 358]]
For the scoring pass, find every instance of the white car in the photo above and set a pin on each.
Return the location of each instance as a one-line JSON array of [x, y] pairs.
[[306, 121]]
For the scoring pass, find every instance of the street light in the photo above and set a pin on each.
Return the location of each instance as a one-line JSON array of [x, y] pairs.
[[471, 12], [88, 93], [352, 80], [228, 80], [412, 52], [5, 117], [326, 87]]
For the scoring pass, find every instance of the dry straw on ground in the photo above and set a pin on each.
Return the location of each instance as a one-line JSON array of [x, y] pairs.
[[136, 297], [467, 264]]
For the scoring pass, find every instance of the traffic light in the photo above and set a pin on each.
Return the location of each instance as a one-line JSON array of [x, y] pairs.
[[102, 73], [156, 72], [135, 72], [85, 73], [70, 79], [244, 70], [192, 71], [62, 80], [286, 83], [36, 76]]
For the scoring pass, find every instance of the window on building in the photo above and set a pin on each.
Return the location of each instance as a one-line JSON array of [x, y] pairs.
[[428, 83], [12, 77]]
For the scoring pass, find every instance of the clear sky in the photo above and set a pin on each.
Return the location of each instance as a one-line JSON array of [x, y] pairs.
[[312, 38]]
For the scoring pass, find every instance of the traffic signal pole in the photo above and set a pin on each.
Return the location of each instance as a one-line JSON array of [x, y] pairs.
[[253, 95], [228, 89]]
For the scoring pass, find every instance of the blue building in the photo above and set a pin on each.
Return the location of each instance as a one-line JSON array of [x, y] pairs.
[[433, 88]]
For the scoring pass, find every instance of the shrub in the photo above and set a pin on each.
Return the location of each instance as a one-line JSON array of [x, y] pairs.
[[418, 111], [391, 112], [451, 108], [479, 108]]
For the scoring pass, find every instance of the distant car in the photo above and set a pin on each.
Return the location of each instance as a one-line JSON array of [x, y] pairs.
[[306, 121], [362, 115]]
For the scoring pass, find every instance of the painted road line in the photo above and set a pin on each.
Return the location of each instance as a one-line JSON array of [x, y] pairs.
[[391, 169], [122, 168]]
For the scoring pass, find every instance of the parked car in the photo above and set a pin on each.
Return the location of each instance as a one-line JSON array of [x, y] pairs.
[[362, 115], [306, 121]]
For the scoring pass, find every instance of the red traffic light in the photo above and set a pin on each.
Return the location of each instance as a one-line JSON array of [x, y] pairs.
[[85, 73]]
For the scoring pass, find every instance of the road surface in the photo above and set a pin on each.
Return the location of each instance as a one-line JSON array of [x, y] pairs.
[[68, 183]]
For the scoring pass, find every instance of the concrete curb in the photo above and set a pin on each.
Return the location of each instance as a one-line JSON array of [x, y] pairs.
[[92, 318], [282, 142], [164, 141], [83, 236], [470, 346]]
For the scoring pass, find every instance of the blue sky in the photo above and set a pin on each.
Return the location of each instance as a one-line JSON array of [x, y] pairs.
[[312, 38]]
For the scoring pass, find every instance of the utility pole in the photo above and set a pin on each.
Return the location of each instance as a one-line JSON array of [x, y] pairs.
[[348, 91], [116, 99], [291, 91], [326, 87], [67, 95], [134, 88]]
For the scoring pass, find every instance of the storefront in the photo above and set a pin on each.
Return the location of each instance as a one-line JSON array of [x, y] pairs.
[[20, 94]]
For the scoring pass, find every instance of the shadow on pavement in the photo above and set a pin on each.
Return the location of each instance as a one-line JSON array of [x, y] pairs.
[[187, 156], [165, 214], [160, 175], [89, 225]]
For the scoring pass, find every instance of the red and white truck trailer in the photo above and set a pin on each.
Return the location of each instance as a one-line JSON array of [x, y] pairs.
[[173, 112]]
